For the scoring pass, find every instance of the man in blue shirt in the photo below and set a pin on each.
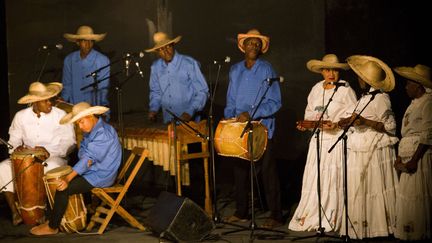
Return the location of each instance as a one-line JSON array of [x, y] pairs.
[[99, 159], [176, 82], [247, 84], [78, 64]]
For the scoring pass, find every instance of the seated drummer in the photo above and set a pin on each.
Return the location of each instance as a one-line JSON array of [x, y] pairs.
[[246, 85], [37, 126], [176, 82], [99, 159]]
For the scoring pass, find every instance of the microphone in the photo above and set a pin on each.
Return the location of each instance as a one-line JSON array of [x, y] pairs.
[[39, 160], [6, 143], [51, 47], [139, 69], [134, 54], [127, 61], [227, 59], [340, 84], [279, 79]]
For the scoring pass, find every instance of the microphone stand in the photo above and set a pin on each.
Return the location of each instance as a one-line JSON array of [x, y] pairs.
[[321, 230], [344, 137], [216, 216], [249, 128], [6, 143], [43, 65]]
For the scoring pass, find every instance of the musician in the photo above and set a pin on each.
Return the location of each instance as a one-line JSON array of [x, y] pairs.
[[372, 180], [246, 83], [414, 160], [37, 126], [176, 82], [99, 159], [78, 64], [306, 216]]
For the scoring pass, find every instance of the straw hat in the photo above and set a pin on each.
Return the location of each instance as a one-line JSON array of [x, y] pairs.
[[39, 91], [373, 71], [253, 33], [84, 32], [162, 39], [330, 61], [81, 110], [420, 74]]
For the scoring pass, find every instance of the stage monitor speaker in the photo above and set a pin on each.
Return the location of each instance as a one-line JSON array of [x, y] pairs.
[[178, 218]]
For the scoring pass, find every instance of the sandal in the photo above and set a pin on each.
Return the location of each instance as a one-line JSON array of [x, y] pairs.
[[271, 223]]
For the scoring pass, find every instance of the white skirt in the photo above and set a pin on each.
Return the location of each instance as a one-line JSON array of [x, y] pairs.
[[372, 185], [306, 216]]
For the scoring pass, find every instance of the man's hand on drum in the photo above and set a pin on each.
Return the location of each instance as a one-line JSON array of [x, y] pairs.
[[243, 117], [43, 149], [186, 117], [62, 185]]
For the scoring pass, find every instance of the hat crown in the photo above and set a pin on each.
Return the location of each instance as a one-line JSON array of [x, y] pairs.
[[37, 88], [80, 107], [253, 32], [330, 58], [85, 30], [373, 71], [160, 37], [423, 71]]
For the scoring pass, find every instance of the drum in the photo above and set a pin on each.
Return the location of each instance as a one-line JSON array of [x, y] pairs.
[[75, 216], [29, 186], [228, 142]]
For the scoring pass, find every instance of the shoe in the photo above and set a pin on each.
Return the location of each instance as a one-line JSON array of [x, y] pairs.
[[271, 224], [233, 219]]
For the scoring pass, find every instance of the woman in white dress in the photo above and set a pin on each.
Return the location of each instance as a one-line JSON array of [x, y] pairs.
[[414, 198], [371, 178], [306, 216]]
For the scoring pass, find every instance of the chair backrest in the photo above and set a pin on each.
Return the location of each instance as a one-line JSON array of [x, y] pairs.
[[136, 151]]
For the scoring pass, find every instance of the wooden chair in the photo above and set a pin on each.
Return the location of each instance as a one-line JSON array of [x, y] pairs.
[[111, 205]]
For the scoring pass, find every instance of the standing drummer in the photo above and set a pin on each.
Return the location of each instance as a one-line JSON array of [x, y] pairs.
[[37, 126], [99, 159], [247, 83]]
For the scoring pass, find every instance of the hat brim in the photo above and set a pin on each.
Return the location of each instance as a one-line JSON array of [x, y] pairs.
[[93, 110], [264, 40], [93, 37], [53, 89], [160, 45], [316, 66], [409, 73], [385, 85]]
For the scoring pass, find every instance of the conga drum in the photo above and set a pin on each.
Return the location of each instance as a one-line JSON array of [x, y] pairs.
[[228, 142], [29, 186], [75, 216]]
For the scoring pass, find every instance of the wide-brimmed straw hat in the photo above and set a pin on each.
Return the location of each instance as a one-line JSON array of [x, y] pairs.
[[253, 33], [84, 32], [420, 74], [39, 91], [162, 39], [373, 71], [81, 110], [330, 61]]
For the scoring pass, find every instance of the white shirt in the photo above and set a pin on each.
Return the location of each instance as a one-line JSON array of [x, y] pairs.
[[46, 131]]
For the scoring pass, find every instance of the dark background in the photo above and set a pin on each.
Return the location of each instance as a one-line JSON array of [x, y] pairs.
[[394, 31]]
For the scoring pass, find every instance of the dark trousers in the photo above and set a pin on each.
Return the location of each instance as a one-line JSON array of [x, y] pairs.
[[76, 185], [266, 169]]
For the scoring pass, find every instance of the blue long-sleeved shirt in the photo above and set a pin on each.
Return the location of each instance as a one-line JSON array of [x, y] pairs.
[[178, 86], [103, 148], [246, 86], [75, 71]]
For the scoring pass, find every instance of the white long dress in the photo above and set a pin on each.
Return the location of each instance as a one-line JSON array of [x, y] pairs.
[[414, 198], [371, 178], [306, 216]]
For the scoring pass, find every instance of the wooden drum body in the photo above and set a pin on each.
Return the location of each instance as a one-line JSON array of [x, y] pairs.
[[228, 142], [29, 186], [75, 216]]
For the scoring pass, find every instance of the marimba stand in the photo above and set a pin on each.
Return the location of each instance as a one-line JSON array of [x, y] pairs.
[[185, 137]]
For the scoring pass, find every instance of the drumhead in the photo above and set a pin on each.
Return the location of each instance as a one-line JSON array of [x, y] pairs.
[[58, 172], [26, 152]]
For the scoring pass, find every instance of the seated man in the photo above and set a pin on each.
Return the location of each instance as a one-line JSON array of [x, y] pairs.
[[37, 126], [99, 159]]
